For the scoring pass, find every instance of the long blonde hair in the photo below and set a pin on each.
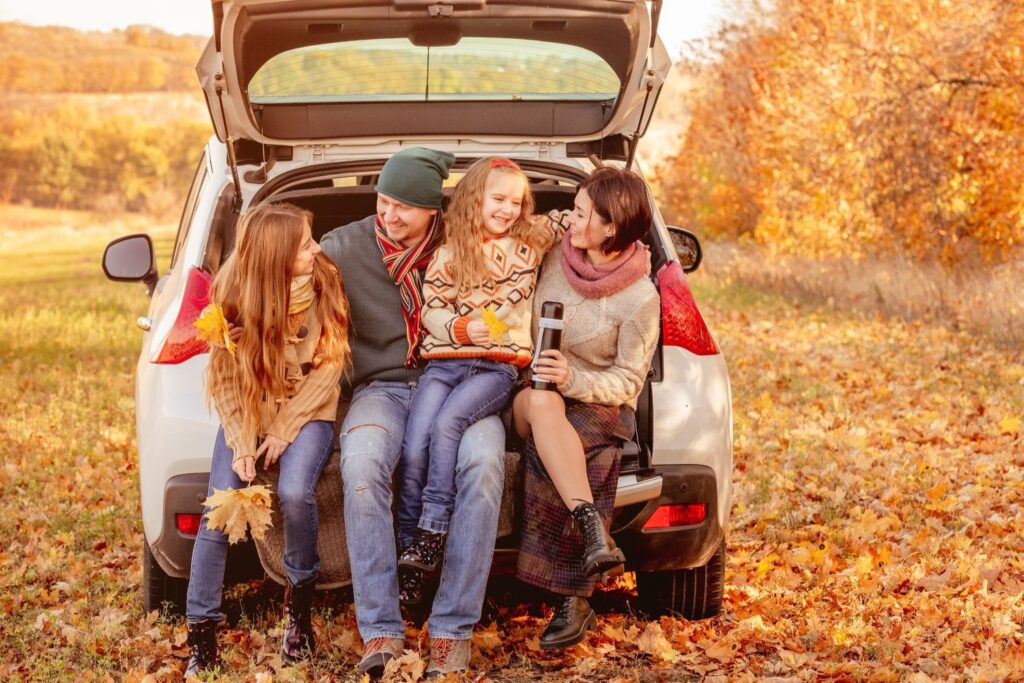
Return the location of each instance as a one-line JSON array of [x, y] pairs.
[[464, 229], [253, 289]]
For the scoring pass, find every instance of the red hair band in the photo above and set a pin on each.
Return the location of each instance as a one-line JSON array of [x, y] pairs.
[[498, 163]]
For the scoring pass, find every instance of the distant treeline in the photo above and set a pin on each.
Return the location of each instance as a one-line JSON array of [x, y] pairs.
[[61, 60], [72, 157]]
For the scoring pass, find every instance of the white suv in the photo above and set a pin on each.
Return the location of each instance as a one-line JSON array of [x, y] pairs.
[[308, 98]]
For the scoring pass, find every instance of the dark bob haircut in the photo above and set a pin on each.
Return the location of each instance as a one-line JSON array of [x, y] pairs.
[[620, 198]]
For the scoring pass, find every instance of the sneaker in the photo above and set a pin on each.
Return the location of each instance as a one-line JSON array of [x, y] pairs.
[[447, 656], [377, 653], [425, 553], [410, 586]]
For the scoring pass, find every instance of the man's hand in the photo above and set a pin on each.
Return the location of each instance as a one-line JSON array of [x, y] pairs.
[[478, 333], [271, 448]]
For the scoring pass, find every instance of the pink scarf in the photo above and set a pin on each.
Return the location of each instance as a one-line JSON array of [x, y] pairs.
[[595, 282]]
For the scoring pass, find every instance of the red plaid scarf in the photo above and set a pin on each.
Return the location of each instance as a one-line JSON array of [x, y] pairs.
[[405, 265]]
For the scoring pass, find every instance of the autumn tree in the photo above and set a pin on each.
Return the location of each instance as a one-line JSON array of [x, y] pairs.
[[857, 127]]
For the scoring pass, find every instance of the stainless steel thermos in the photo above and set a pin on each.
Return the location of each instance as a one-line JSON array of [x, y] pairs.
[[549, 337]]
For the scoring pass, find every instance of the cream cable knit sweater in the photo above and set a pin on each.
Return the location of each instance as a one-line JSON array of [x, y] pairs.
[[608, 342]]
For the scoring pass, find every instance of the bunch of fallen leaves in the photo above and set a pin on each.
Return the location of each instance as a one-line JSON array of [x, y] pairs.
[[235, 510]]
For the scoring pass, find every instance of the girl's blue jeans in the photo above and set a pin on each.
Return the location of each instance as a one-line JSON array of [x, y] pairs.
[[301, 465], [452, 395]]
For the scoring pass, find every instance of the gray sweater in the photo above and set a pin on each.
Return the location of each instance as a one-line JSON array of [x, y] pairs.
[[377, 333]]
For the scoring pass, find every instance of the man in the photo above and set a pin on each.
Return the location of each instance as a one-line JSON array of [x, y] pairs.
[[381, 259]]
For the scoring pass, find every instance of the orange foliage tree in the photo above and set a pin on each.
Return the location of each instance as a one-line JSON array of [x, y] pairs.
[[856, 127]]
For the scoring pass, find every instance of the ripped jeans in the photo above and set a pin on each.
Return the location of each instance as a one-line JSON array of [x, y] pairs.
[[371, 445]]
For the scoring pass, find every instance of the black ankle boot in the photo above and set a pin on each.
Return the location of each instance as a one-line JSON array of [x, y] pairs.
[[202, 645], [599, 553], [424, 553], [298, 640], [572, 618]]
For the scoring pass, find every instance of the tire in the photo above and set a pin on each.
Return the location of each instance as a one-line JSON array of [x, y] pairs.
[[692, 593], [160, 591]]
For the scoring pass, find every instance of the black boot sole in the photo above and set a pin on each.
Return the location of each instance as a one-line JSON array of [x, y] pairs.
[[568, 641], [413, 564], [375, 669], [603, 563]]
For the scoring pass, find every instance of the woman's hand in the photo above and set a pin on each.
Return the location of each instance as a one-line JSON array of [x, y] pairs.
[[552, 366], [478, 333], [244, 467], [271, 448]]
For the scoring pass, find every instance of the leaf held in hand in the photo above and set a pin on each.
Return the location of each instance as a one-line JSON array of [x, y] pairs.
[[233, 510], [213, 328], [496, 327]]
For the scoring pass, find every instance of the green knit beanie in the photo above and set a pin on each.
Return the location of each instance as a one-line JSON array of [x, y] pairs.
[[414, 176]]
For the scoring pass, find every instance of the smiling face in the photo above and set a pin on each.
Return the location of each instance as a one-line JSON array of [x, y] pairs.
[[402, 222], [503, 202], [587, 230], [308, 249]]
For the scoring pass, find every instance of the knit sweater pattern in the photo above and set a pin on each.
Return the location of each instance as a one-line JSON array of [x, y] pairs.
[[311, 393], [507, 292], [608, 342]]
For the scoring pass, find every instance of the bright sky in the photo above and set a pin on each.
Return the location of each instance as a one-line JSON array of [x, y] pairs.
[[681, 19]]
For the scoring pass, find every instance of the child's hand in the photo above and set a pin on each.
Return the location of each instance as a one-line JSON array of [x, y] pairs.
[[235, 332], [478, 333]]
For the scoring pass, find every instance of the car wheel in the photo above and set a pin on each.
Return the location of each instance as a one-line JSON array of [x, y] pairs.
[[160, 591], [692, 593]]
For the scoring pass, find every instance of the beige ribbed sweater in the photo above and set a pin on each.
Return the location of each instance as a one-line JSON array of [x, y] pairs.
[[312, 393], [608, 342]]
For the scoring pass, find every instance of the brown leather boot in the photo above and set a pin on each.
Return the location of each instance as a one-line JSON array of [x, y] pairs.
[[599, 552], [298, 640]]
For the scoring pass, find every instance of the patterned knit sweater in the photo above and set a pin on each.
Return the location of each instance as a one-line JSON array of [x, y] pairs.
[[312, 393], [507, 292], [608, 342]]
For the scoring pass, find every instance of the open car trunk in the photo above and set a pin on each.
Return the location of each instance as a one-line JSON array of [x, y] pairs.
[[370, 71]]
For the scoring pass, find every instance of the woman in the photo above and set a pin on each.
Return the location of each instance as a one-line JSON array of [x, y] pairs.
[[276, 394], [574, 436]]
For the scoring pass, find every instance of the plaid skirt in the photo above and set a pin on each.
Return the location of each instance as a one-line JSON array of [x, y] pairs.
[[550, 547]]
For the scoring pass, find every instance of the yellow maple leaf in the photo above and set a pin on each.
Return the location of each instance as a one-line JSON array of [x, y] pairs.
[[213, 328], [496, 327], [234, 510]]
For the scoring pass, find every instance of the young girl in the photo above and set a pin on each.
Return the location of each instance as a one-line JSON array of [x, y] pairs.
[[277, 395], [477, 296]]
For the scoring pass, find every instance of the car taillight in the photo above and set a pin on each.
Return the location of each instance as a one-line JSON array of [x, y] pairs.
[[188, 522], [181, 343], [681, 322], [668, 516]]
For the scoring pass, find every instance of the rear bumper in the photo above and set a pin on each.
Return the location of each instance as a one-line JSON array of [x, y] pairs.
[[678, 547]]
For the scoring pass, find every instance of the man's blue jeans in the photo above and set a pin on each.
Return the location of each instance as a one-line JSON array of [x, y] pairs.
[[371, 444], [452, 395], [301, 465]]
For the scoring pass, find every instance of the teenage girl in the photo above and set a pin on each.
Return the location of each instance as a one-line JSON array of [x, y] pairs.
[[276, 394], [477, 293]]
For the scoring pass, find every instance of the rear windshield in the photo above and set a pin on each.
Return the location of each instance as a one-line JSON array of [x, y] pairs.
[[395, 69]]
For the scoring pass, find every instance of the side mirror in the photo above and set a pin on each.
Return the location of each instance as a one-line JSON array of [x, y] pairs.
[[687, 248], [131, 259]]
